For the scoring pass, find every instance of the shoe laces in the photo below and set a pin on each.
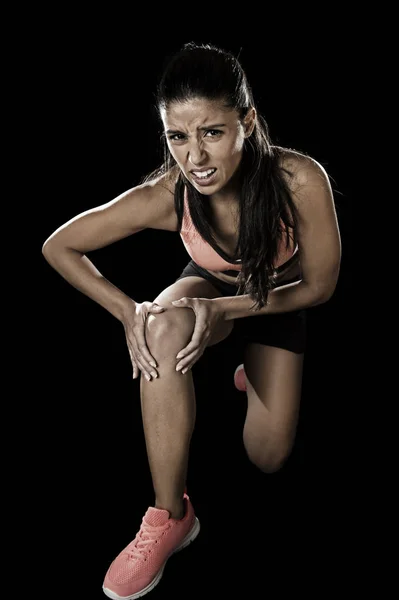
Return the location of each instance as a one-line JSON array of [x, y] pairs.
[[147, 536]]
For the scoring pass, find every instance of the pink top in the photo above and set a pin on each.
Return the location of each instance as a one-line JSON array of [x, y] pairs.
[[215, 259]]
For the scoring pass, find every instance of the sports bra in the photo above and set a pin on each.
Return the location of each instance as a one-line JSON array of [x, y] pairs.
[[213, 257]]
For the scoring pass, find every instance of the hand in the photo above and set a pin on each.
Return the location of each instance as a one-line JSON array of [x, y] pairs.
[[207, 316], [134, 325]]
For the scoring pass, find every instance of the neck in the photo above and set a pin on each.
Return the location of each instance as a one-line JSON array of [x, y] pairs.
[[224, 200], [230, 193]]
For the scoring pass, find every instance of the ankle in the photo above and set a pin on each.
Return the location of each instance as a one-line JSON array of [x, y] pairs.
[[176, 509], [177, 515]]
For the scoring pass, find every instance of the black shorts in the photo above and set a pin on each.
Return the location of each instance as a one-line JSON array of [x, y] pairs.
[[283, 330]]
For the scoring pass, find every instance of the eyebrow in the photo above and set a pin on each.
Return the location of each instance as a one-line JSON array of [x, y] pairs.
[[204, 128]]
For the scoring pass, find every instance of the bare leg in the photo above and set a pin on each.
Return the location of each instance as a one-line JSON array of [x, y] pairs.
[[169, 408], [274, 381], [168, 402]]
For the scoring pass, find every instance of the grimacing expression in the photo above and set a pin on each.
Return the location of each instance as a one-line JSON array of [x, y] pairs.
[[206, 140]]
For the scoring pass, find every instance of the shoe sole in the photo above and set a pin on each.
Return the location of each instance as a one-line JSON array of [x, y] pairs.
[[190, 537]]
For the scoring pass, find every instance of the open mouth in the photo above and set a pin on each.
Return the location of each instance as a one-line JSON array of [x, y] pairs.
[[204, 177]]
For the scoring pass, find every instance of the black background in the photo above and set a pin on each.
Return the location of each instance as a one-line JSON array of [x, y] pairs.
[[94, 115]]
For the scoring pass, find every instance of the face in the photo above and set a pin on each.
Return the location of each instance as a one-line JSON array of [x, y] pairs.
[[206, 140]]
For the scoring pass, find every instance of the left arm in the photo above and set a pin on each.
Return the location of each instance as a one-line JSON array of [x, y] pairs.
[[319, 246]]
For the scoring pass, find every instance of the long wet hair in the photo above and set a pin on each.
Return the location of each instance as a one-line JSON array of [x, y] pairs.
[[267, 214]]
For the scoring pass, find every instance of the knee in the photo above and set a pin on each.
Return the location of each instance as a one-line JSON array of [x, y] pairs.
[[271, 458], [171, 326]]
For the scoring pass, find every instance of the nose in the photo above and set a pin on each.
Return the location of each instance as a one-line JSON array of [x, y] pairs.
[[197, 155]]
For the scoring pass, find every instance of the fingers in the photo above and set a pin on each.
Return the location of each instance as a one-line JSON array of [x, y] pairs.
[[156, 308], [141, 357], [200, 337], [134, 363], [194, 350], [144, 360], [190, 360], [135, 369]]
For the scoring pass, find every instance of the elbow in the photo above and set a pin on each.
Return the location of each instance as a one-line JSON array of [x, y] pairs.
[[48, 249], [321, 286], [325, 295], [51, 249], [48, 244], [325, 291], [45, 247]]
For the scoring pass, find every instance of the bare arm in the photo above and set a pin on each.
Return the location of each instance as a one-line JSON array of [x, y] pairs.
[[319, 250], [147, 206]]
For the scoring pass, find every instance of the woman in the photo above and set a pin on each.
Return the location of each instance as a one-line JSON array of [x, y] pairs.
[[259, 223]]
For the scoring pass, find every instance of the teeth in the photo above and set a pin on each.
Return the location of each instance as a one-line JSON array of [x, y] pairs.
[[203, 174]]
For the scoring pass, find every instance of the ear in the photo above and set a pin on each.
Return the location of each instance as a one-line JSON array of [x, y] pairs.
[[249, 122]]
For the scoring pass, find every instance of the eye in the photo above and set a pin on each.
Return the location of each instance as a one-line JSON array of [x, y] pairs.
[[214, 132], [180, 137], [176, 137]]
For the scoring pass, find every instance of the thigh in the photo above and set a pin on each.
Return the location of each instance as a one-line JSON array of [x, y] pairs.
[[284, 330], [274, 382], [195, 287]]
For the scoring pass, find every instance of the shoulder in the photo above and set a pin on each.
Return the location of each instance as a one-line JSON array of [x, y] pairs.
[[158, 181], [159, 191], [300, 170], [308, 184], [306, 179]]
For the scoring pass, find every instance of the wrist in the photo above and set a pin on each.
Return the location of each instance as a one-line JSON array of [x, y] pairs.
[[220, 308], [126, 309]]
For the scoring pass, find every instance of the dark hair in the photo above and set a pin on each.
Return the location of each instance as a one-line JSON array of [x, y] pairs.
[[267, 213]]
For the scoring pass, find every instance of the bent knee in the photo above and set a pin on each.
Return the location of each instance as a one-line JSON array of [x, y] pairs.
[[270, 460], [172, 324]]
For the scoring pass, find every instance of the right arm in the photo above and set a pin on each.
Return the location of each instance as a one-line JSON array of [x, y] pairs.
[[147, 206]]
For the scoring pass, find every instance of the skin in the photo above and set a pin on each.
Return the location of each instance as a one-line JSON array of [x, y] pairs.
[[196, 142], [273, 375], [206, 134]]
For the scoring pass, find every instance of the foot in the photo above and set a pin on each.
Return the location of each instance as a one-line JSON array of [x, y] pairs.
[[139, 567], [239, 379]]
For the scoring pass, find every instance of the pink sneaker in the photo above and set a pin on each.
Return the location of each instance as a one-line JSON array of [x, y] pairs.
[[139, 567], [239, 379]]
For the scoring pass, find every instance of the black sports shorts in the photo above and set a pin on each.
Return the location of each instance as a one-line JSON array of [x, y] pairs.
[[283, 330]]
